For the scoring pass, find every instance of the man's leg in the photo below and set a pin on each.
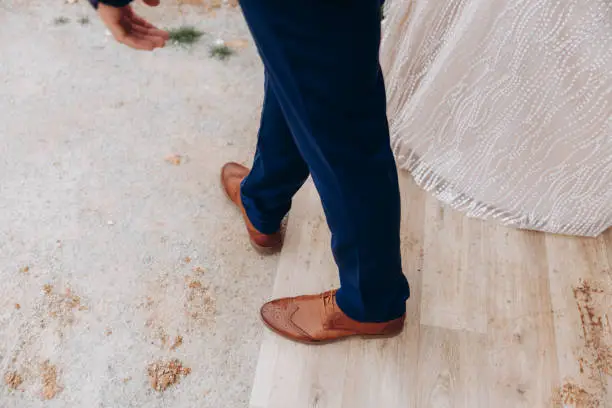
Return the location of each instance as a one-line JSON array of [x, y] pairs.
[[278, 170], [322, 58], [264, 193]]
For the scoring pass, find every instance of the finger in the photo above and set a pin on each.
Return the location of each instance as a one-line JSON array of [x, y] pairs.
[[137, 19], [158, 42], [152, 3], [150, 30], [144, 23], [149, 33], [134, 41], [138, 43]]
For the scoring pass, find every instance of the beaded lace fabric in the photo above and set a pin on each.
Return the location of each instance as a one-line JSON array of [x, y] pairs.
[[503, 109]]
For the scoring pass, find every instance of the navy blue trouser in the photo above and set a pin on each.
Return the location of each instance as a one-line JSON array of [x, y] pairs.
[[324, 115]]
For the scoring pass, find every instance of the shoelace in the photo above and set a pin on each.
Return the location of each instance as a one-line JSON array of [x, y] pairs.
[[329, 305], [328, 298]]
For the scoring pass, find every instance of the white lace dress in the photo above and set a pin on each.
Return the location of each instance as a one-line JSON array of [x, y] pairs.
[[503, 108]]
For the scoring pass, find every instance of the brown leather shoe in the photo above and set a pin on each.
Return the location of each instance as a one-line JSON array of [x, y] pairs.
[[317, 319], [232, 175]]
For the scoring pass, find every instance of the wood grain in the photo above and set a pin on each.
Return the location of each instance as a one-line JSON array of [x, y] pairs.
[[383, 372], [493, 319], [581, 291], [455, 285]]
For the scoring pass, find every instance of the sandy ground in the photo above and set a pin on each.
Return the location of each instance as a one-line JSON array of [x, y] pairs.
[[107, 251]]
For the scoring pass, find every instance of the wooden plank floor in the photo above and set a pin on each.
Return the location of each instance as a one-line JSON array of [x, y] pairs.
[[497, 318]]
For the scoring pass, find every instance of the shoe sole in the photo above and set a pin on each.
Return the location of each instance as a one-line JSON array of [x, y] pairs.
[[262, 250], [330, 341], [265, 250]]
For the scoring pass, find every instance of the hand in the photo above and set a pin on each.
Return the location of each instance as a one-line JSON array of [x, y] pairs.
[[130, 29]]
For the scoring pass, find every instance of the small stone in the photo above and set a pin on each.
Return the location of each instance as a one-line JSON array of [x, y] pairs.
[[164, 374], [174, 159], [195, 285], [49, 379], [13, 380], [178, 340], [73, 301]]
